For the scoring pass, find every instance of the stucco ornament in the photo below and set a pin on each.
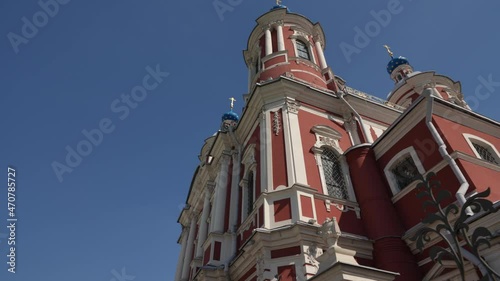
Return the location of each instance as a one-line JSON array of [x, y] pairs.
[[331, 234], [312, 253]]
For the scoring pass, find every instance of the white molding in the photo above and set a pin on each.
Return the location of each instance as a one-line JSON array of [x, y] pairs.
[[313, 205], [390, 178], [296, 168], [399, 128]]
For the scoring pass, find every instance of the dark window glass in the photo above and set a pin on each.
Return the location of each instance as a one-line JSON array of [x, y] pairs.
[[404, 171], [334, 177], [303, 50], [485, 153]]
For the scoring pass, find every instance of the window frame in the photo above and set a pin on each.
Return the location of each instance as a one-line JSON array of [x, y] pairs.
[[473, 139], [301, 43], [339, 164], [250, 164], [329, 138], [393, 184]]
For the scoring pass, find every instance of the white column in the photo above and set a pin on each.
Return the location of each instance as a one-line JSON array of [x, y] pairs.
[[281, 40], [266, 159], [235, 188], [296, 168], [203, 224], [180, 261], [233, 204], [188, 254], [220, 196], [322, 60], [269, 41]]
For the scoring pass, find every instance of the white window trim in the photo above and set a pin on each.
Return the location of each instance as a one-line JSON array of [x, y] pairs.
[[387, 170], [328, 137], [472, 138]]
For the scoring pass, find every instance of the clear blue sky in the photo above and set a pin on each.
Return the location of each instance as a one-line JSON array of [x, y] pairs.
[[118, 207]]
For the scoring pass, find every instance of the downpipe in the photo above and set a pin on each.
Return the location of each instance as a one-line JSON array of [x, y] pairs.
[[464, 185], [356, 114]]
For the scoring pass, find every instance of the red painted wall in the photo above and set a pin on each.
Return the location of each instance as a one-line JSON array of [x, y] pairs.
[[217, 248], [282, 210], [261, 216], [306, 204], [380, 218], [286, 252], [274, 40], [275, 60], [247, 274], [410, 208], [306, 122], [453, 132], [206, 256], [322, 213], [287, 32], [422, 141], [480, 178], [287, 273]]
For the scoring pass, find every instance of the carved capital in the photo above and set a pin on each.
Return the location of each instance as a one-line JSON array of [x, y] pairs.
[[292, 106]]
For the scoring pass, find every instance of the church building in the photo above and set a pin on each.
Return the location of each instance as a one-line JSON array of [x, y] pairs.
[[315, 180]]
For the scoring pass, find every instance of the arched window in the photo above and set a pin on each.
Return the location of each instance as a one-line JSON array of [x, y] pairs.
[[403, 169], [483, 149], [334, 178], [303, 50], [485, 153], [250, 193]]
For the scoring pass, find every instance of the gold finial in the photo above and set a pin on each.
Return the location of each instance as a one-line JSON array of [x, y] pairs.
[[278, 2], [232, 102], [391, 54]]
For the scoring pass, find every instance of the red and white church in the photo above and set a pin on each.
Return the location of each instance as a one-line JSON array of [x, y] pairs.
[[316, 180]]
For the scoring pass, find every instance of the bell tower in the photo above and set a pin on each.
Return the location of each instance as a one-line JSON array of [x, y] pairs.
[[288, 44]]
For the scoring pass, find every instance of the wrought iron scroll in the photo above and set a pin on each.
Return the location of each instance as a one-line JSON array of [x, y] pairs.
[[453, 233]]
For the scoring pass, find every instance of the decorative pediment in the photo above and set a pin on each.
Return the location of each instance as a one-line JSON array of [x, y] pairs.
[[326, 136], [326, 131]]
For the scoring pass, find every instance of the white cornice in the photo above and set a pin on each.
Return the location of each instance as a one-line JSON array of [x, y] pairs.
[[466, 117], [398, 129]]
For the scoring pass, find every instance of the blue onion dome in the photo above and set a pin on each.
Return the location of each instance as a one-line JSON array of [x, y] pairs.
[[280, 7], [230, 115], [395, 62]]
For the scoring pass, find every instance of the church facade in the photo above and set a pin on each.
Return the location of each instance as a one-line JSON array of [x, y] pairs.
[[318, 181]]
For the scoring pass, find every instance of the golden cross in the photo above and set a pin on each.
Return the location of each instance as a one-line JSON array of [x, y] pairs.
[[232, 102], [391, 54]]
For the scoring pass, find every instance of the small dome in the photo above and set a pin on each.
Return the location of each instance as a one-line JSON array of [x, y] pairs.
[[280, 7], [395, 62], [230, 115]]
